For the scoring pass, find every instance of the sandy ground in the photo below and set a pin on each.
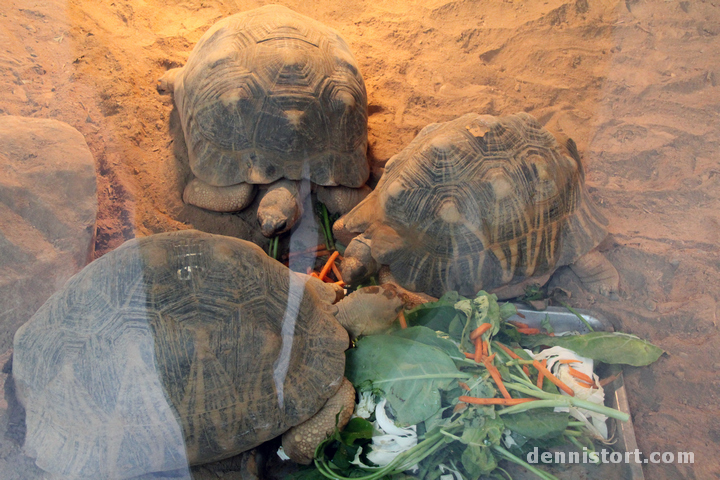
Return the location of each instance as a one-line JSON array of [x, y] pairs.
[[633, 82]]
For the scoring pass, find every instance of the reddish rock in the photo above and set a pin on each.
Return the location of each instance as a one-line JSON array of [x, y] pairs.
[[48, 205]]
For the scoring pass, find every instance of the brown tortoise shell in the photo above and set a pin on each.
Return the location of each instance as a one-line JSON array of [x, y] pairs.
[[480, 202], [270, 94], [176, 348]]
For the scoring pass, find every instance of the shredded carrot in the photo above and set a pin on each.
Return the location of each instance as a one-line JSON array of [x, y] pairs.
[[507, 350], [464, 386], [336, 271], [565, 362], [328, 264], [519, 324], [469, 355], [581, 376], [478, 350], [485, 348], [515, 356], [495, 373], [583, 384], [540, 375], [553, 378], [607, 380], [520, 314], [313, 274], [459, 407], [529, 331], [401, 319], [494, 401], [307, 251], [339, 282], [480, 330]]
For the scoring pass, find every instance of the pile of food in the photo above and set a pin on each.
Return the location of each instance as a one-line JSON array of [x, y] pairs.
[[461, 389]]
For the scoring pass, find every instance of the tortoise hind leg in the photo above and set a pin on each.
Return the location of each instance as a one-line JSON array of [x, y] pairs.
[[597, 274], [301, 440]]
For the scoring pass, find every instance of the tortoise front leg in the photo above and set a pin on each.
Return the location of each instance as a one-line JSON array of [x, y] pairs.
[[596, 272], [301, 440], [232, 198]]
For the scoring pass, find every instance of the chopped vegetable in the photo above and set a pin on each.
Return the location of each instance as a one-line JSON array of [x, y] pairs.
[[451, 407], [494, 401]]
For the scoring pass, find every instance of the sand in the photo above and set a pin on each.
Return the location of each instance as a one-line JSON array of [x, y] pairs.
[[634, 83]]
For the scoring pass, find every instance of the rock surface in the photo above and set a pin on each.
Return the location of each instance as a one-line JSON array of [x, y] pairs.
[[48, 205]]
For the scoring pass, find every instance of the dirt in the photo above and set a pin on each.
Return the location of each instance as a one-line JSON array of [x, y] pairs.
[[634, 83]]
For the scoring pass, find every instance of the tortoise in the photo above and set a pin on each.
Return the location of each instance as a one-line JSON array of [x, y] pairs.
[[479, 203], [272, 97], [184, 348]]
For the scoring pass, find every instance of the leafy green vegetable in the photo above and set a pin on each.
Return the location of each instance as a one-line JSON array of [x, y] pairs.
[[410, 373], [422, 371], [540, 424], [606, 347], [429, 337], [356, 429]]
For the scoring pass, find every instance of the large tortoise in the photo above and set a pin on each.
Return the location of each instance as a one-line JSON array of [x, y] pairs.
[[480, 202], [185, 348], [270, 96]]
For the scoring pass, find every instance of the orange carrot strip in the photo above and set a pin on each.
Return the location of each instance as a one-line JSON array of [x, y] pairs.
[[565, 362], [306, 251], [469, 355], [485, 348], [401, 318], [553, 378], [328, 264], [519, 324], [478, 350], [464, 386], [339, 282], [581, 376], [583, 384], [507, 350], [494, 401], [515, 356], [480, 330], [313, 274], [459, 407], [336, 271], [529, 331], [495, 374], [541, 376]]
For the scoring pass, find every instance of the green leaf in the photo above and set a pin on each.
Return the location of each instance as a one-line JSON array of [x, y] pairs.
[[541, 423], [606, 347], [409, 373], [545, 323], [435, 315], [429, 337], [356, 429], [478, 461]]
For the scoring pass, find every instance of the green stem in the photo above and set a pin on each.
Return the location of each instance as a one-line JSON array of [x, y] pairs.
[[572, 433], [553, 400], [587, 324], [423, 377], [519, 461], [326, 227]]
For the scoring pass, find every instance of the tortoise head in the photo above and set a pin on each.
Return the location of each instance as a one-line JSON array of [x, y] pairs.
[[370, 310]]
